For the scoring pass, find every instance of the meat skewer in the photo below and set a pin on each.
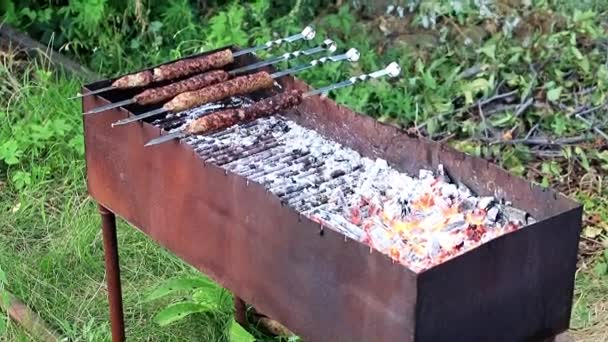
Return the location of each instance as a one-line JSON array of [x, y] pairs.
[[160, 94], [237, 86], [226, 118], [196, 64]]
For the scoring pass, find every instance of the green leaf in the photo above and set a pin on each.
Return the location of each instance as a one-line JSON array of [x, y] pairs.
[[432, 126], [3, 279], [601, 269], [21, 179], [559, 125], [3, 325], [583, 158], [239, 334], [489, 50], [181, 284], [518, 169], [502, 120], [584, 65], [576, 52], [77, 143], [474, 87], [10, 152], [178, 311], [429, 80], [6, 299], [603, 156], [217, 297], [545, 182], [580, 16], [554, 94]]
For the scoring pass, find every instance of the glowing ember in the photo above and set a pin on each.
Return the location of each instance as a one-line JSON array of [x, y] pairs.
[[420, 222]]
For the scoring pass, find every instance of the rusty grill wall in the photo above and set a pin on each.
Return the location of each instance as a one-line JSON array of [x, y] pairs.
[[518, 287]]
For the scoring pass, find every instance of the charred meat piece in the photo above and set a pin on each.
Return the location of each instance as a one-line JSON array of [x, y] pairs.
[[160, 94], [140, 79], [230, 117], [193, 65], [237, 86]]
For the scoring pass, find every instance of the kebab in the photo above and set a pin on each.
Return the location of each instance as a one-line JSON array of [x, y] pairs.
[[223, 119], [160, 94], [237, 86], [196, 64]]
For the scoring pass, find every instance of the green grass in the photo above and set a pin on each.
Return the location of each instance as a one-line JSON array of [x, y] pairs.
[[50, 244]]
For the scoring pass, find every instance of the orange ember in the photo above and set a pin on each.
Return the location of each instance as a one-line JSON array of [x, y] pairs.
[[424, 202], [476, 217]]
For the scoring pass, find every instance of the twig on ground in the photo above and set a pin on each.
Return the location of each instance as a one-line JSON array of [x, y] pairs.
[[579, 111], [545, 141], [484, 102], [481, 102], [592, 126], [500, 109], [534, 128], [447, 138], [592, 241], [470, 72], [483, 121], [586, 91], [522, 107], [547, 153]]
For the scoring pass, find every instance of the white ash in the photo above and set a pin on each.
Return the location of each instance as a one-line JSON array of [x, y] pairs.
[[364, 199]]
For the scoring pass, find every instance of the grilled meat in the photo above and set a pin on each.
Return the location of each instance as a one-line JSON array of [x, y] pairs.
[[193, 65], [237, 86], [160, 94], [226, 118], [140, 79]]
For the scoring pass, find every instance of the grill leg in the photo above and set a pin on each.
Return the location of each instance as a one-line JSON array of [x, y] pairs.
[[110, 247], [240, 314]]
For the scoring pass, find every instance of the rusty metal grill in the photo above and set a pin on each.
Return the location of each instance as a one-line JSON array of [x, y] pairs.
[[237, 205]]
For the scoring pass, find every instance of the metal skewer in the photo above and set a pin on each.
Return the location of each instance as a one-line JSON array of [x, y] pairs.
[[351, 55], [391, 70], [93, 92], [308, 33], [327, 45]]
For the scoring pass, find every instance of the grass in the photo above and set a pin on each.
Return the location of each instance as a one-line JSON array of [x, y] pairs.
[[50, 244]]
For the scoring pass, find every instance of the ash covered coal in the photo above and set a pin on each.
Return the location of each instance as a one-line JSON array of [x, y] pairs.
[[418, 220]]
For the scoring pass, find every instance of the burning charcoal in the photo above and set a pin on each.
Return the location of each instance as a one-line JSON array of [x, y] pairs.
[[467, 204], [464, 191], [337, 173], [280, 126], [380, 240], [443, 175], [397, 209], [338, 197], [493, 215], [434, 248], [418, 221], [486, 202], [514, 214], [456, 226], [449, 242], [425, 174]]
